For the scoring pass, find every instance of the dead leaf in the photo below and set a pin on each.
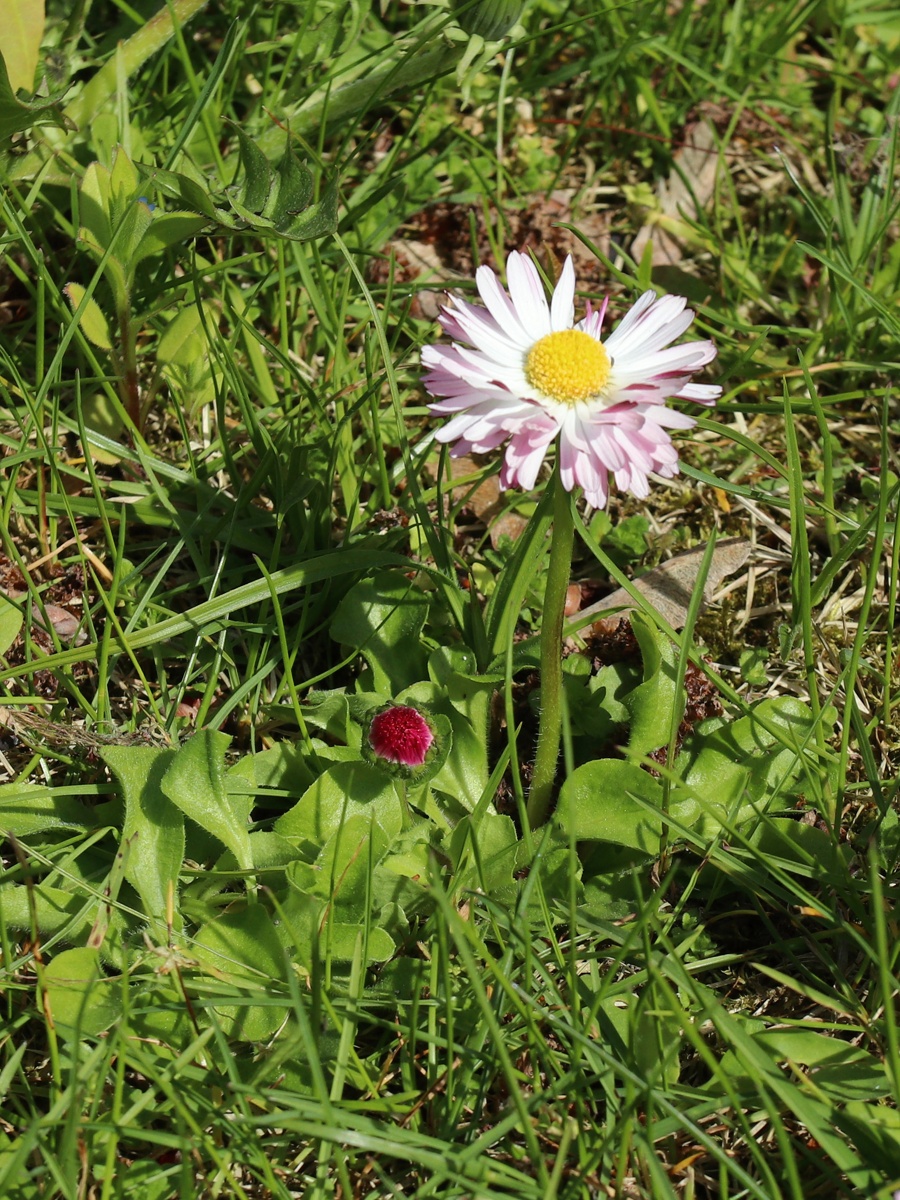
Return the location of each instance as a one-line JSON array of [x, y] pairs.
[[68, 627], [669, 587], [485, 501], [682, 197]]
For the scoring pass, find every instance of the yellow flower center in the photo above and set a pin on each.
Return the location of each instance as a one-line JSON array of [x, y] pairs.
[[568, 366]]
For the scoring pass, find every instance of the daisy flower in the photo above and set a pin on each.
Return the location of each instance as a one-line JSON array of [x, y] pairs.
[[521, 371]]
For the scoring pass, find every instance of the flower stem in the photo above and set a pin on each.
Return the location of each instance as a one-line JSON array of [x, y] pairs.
[[550, 732]]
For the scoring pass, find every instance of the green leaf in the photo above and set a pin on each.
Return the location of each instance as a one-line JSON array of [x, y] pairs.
[[292, 192], [57, 911], [754, 666], [652, 702], [167, 229], [345, 790], [124, 186], [404, 873], [28, 808], [283, 766], [800, 848], [626, 541], [93, 323], [317, 221], [738, 767], [485, 853], [17, 116], [94, 208], [598, 802], [310, 933], [340, 873], [11, 621], [21, 33], [181, 337], [836, 1067], [243, 948], [101, 415], [129, 232], [330, 711], [153, 826], [80, 998], [195, 781], [382, 618], [876, 1131], [253, 179], [190, 190]]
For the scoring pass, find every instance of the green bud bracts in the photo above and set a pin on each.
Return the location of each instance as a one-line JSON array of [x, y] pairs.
[[490, 19]]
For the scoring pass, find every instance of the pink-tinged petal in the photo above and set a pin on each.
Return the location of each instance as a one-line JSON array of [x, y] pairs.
[[501, 308], [669, 418], [477, 421], [636, 449], [700, 393], [691, 356], [632, 319], [526, 451], [465, 397], [475, 369], [593, 321], [479, 382], [578, 466], [478, 327], [661, 323], [562, 305], [486, 446], [639, 485], [520, 469], [527, 294], [607, 450]]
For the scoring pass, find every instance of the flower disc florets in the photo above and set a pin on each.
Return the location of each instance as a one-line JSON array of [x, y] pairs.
[[522, 372]]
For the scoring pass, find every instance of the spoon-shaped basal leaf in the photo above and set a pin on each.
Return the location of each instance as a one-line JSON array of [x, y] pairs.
[[156, 854], [382, 618], [195, 782], [652, 702]]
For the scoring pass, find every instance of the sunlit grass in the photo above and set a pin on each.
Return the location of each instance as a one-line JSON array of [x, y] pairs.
[[719, 1022]]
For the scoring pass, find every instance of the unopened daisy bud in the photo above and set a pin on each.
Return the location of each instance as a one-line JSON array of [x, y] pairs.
[[490, 19], [400, 734], [407, 742]]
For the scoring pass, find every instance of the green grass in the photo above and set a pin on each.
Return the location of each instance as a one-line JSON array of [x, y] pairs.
[[524, 1015]]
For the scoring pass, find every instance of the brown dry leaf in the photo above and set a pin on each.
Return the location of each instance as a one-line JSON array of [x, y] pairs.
[[66, 625], [669, 587], [440, 242], [485, 501], [420, 260], [666, 226]]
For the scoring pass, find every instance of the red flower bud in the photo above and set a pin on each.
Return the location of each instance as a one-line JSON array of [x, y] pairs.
[[400, 734]]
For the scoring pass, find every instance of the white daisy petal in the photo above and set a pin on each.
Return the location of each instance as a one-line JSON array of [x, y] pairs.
[[562, 306], [521, 372], [527, 293]]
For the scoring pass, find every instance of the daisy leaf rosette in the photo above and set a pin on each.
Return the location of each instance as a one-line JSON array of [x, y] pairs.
[[408, 741], [520, 371]]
